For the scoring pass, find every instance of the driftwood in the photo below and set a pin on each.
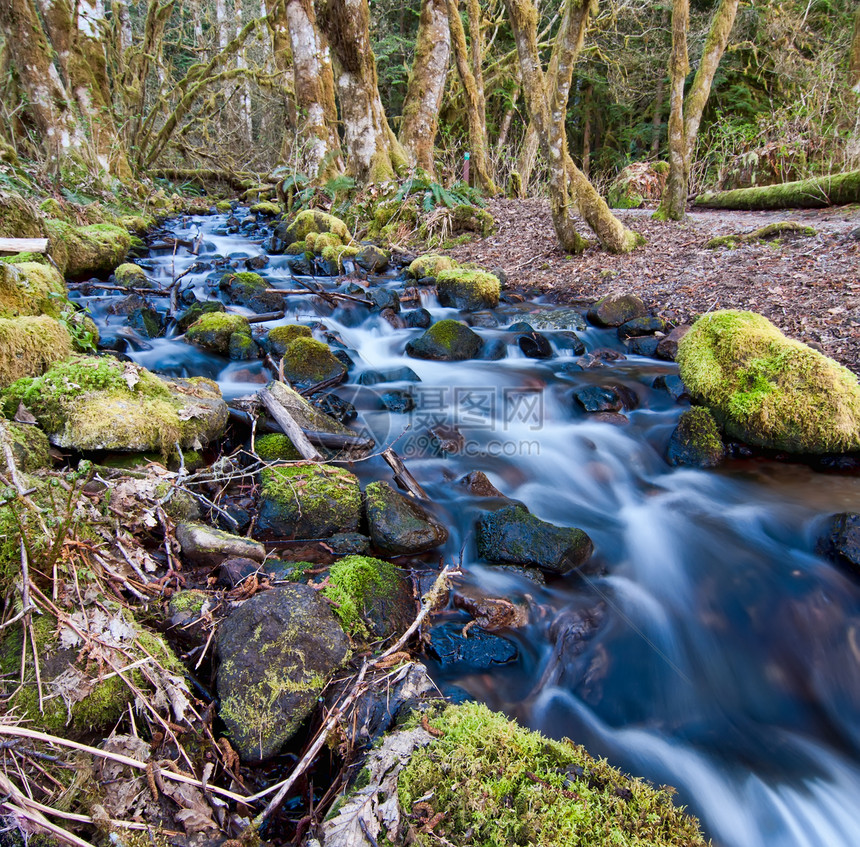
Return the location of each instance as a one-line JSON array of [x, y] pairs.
[[204, 176], [266, 316], [144, 292], [290, 427], [331, 440], [326, 295], [402, 475], [23, 245]]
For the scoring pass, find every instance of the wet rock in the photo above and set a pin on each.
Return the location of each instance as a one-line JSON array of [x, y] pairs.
[[335, 407], [616, 309], [417, 319], [393, 319], [399, 525], [558, 319], [236, 569], [595, 398], [600, 357], [643, 345], [566, 340], [349, 544], [641, 326], [614, 418], [195, 311], [129, 275], [478, 650], [149, 322], [674, 386], [447, 439], [398, 402], [840, 541], [277, 652], [429, 267], [446, 340], [490, 613], [307, 362], [280, 337], [478, 484], [372, 259], [696, 441], [204, 545], [404, 374], [308, 501], [494, 349], [483, 320], [521, 326], [468, 290], [212, 331], [667, 348], [257, 263], [385, 298], [128, 305], [242, 347], [513, 536], [250, 290]]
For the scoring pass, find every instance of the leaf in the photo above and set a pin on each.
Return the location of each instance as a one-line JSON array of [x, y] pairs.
[[23, 415], [195, 815], [131, 375]]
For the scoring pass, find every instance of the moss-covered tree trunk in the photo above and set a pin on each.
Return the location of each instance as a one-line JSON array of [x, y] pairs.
[[854, 57], [686, 113], [475, 110], [282, 56], [426, 85], [373, 153], [840, 189]]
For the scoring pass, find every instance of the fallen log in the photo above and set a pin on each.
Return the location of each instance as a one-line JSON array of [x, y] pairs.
[[204, 176], [331, 440], [325, 295], [816, 193], [23, 245], [290, 427]]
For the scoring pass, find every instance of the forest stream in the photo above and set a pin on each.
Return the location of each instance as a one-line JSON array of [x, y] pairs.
[[707, 646]]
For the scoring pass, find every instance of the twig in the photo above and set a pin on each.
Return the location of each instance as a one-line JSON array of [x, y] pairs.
[[289, 425], [402, 475]]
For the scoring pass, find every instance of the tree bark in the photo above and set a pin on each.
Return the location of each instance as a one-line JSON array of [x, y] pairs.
[[373, 152], [586, 132], [817, 193], [426, 85], [854, 58], [475, 111]]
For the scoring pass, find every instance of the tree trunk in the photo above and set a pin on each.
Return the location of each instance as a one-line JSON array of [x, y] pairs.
[[243, 88], [854, 58], [282, 55], [426, 85], [816, 193], [373, 152], [475, 111], [314, 91], [586, 132], [657, 118], [507, 120]]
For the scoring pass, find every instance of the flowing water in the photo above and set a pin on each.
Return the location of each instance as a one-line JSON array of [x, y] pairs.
[[711, 650]]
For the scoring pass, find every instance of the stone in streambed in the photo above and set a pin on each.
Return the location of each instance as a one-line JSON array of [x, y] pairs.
[[674, 386], [617, 309], [399, 525], [667, 347], [638, 327], [515, 537], [696, 441], [250, 289], [212, 331], [307, 362], [279, 338], [204, 545], [841, 541], [468, 290], [558, 319], [446, 341], [277, 651], [596, 398]]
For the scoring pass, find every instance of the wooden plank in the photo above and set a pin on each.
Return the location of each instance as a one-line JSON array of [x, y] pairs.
[[23, 245], [286, 422]]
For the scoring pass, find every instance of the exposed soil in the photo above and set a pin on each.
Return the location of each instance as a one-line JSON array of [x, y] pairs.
[[808, 286]]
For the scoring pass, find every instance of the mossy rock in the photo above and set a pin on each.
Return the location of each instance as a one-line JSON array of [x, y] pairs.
[[19, 218], [19, 258], [30, 345], [767, 389], [249, 289], [196, 311], [617, 309], [280, 337], [29, 445], [308, 501], [92, 403], [468, 290], [131, 276], [212, 331], [312, 220], [336, 255], [430, 266], [266, 208], [638, 182], [466, 218], [399, 525], [308, 362], [31, 288], [696, 441], [278, 651], [137, 224], [276, 446], [490, 782], [446, 340], [242, 347], [223, 207], [88, 250]]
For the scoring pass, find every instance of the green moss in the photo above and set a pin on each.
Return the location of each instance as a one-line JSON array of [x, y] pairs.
[[267, 208], [131, 276], [87, 250], [326, 240], [309, 360], [20, 258], [280, 337], [297, 248], [430, 266], [498, 785], [212, 331], [767, 389], [729, 241], [29, 345], [191, 601], [224, 207], [276, 446], [473, 219], [468, 289], [354, 583], [19, 216], [241, 347], [769, 232], [312, 220], [336, 255], [30, 288], [30, 447], [834, 190]]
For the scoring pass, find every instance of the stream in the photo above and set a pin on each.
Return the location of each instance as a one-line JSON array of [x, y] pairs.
[[708, 647]]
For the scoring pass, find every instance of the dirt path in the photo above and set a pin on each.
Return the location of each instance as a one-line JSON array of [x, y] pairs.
[[809, 287]]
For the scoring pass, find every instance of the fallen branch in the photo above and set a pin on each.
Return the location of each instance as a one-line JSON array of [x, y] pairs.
[[402, 475], [290, 426], [23, 245]]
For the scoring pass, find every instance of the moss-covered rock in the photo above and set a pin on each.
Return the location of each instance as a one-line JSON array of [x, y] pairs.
[[131, 276], [30, 345], [212, 331], [467, 218], [30, 288], [637, 183], [205, 545], [447, 340], [266, 208], [19, 218], [280, 337], [308, 362], [249, 289], [196, 311], [489, 782], [617, 309], [769, 390], [92, 403], [430, 266], [276, 446], [88, 250], [336, 255], [696, 441], [277, 652], [308, 501], [312, 220], [399, 525], [468, 290], [29, 445]]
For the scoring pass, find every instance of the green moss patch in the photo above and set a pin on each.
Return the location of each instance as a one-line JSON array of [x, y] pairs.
[[276, 447], [280, 337], [212, 331], [30, 288], [312, 220], [87, 250], [308, 361], [29, 345], [468, 289], [430, 266]]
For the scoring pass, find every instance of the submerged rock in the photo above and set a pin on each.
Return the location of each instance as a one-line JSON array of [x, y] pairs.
[[558, 319], [696, 441], [478, 650], [769, 390], [399, 525], [841, 541], [446, 340], [277, 652], [513, 536]]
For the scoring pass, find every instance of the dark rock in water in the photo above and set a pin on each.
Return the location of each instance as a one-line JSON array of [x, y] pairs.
[[598, 358], [559, 319], [446, 340], [521, 326], [251, 290], [242, 347], [484, 320], [641, 326], [418, 319], [479, 650], [372, 259], [696, 441], [308, 362], [404, 374], [147, 321], [400, 525], [277, 652], [233, 571], [385, 298], [494, 349], [195, 311], [595, 398], [391, 317], [566, 340], [204, 545], [349, 544], [398, 402], [256, 263], [617, 309], [335, 407], [534, 345], [514, 537], [643, 345], [128, 305], [614, 418], [343, 357], [668, 346], [300, 265], [841, 541], [447, 439], [478, 484], [674, 386]]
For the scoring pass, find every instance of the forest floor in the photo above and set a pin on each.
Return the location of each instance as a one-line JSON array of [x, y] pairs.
[[808, 286]]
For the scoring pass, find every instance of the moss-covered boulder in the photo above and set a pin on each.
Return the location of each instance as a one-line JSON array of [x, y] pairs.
[[308, 362], [93, 403], [30, 288], [314, 221], [277, 651], [696, 441], [276, 447], [399, 525], [638, 182], [617, 309], [30, 345], [204, 545], [468, 290], [87, 250], [249, 289], [212, 331], [19, 218], [131, 276], [266, 209], [280, 338], [767, 389], [468, 218], [512, 536], [29, 445], [371, 598], [447, 341], [196, 311], [430, 266], [308, 501]]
